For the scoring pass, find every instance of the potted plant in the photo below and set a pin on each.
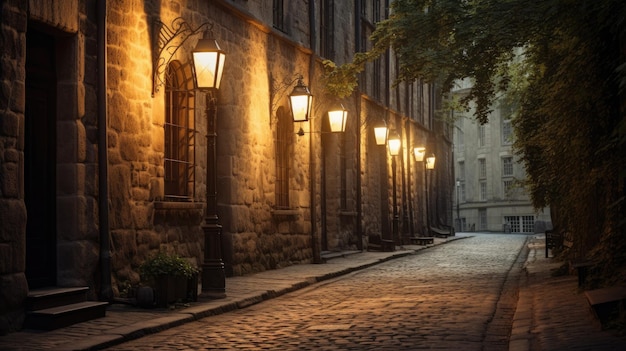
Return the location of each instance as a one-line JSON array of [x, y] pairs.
[[172, 278]]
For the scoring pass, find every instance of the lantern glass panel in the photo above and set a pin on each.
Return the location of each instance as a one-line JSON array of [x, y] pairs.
[[418, 153], [337, 120]]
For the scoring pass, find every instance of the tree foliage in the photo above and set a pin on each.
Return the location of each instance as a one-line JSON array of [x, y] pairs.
[[570, 126]]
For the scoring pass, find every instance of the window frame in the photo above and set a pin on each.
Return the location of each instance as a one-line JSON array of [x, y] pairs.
[[508, 166], [278, 15], [179, 162], [482, 168], [284, 144]]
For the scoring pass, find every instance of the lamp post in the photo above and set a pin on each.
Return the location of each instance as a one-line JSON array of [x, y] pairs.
[[418, 155], [337, 117], [300, 104], [394, 143], [458, 209], [429, 166], [380, 136], [208, 65]]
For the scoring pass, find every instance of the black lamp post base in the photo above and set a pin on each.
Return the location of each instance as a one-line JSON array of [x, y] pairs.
[[213, 280], [213, 273]]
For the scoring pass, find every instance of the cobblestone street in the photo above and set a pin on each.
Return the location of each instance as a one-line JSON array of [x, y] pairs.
[[451, 297]]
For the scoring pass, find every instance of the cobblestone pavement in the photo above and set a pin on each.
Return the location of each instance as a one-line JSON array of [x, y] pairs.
[[124, 322], [450, 297], [457, 296]]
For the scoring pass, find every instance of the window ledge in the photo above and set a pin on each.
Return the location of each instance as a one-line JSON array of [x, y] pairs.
[[347, 213], [286, 212], [177, 205]]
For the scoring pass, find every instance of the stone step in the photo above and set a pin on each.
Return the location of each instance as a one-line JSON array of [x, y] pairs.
[[63, 316], [607, 302], [39, 299]]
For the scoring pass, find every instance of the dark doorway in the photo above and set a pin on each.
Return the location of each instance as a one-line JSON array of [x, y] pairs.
[[40, 159]]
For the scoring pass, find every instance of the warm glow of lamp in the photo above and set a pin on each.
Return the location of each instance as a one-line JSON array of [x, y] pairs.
[[430, 162], [380, 133], [418, 153], [394, 143], [208, 63], [300, 101], [337, 119]]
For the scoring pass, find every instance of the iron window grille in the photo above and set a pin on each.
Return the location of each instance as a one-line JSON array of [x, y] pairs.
[[284, 137], [180, 133]]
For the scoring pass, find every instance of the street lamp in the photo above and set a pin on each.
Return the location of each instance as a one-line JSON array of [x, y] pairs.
[[458, 210], [337, 118], [208, 64], [418, 153], [300, 101], [380, 133], [430, 162], [394, 144], [429, 166]]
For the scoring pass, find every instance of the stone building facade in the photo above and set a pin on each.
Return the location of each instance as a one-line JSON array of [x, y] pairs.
[[489, 177], [90, 184]]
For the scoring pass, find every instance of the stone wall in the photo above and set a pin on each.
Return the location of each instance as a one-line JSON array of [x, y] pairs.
[[261, 65], [255, 237]]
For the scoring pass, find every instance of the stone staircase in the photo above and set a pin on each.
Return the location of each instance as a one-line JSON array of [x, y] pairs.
[[55, 307]]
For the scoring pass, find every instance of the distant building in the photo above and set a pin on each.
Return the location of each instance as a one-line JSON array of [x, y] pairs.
[[490, 194]]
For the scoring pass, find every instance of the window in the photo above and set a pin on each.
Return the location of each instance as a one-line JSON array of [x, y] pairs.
[[284, 137], [482, 219], [343, 168], [481, 135], [528, 224], [460, 138], [520, 224], [482, 168], [462, 192], [507, 187], [513, 223], [376, 79], [507, 132], [279, 15], [327, 45], [461, 170], [180, 133], [483, 191], [507, 166], [376, 10]]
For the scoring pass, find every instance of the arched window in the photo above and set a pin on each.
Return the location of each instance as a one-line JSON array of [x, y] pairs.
[[180, 133], [284, 138]]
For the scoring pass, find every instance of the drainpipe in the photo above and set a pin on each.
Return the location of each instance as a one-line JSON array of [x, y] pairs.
[[357, 100], [106, 293], [317, 255], [359, 205]]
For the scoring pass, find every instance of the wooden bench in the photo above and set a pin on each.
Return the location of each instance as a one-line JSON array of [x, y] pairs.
[[440, 233], [422, 240], [553, 241], [376, 243], [606, 302]]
